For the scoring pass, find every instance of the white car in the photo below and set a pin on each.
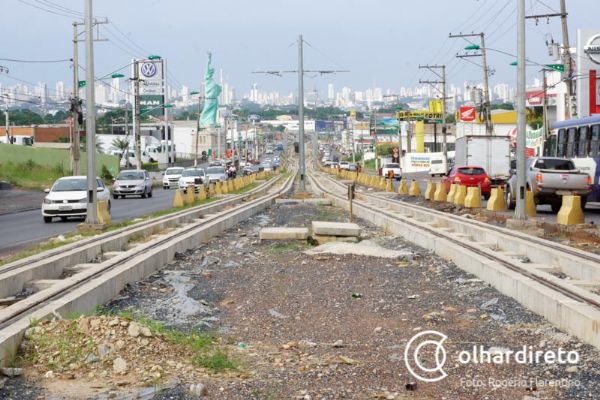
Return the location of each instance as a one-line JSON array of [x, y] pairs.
[[171, 177], [214, 174], [391, 168], [192, 176], [344, 165], [68, 198]]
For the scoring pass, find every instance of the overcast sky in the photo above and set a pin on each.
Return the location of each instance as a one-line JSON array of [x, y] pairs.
[[381, 42]]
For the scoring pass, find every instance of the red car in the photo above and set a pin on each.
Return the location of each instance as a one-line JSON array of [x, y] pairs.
[[468, 176]]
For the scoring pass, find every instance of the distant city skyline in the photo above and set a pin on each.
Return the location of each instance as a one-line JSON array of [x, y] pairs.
[[381, 42]]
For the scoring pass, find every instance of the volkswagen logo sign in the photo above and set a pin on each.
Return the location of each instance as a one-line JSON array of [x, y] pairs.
[[148, 70], [592, 49]]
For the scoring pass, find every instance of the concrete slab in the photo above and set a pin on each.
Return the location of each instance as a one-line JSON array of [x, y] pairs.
[[321, 239], [287, 201], [335, 228], [365, 248], [283, 233]]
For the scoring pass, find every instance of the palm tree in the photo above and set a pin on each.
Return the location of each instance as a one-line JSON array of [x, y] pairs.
[[120, 144]]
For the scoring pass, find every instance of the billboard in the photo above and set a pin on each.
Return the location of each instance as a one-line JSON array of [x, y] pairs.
[[152, 104], [152, 96], [467, 113]]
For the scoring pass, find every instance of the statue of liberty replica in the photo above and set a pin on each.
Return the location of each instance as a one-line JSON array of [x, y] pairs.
[[208, 118]]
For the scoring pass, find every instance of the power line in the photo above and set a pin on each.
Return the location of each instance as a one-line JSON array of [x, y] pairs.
[[36, 61], [62, 14], [58, 7]]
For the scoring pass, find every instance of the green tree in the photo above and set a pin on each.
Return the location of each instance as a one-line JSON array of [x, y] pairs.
[[120, 144]]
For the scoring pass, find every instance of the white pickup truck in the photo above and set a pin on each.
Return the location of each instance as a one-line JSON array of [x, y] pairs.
[[549, 178], [390, 169]]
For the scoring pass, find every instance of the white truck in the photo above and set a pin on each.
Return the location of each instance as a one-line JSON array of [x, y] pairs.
[[492, 153]]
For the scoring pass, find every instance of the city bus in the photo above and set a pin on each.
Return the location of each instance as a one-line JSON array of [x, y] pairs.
[[579, 140]]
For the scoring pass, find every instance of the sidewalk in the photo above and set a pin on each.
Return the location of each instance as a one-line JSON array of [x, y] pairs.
[[16, 200]]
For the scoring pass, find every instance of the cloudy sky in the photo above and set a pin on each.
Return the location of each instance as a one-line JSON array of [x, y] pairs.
[[381, 42]]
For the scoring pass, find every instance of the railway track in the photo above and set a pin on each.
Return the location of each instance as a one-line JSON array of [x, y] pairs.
[[558, 282], [76, 278]]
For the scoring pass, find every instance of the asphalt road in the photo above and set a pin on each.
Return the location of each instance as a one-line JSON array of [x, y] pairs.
[[18, 230]]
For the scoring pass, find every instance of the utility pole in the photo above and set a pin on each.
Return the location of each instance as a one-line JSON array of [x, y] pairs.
[[92, 216], [545, 104], [565, 56], [136, 112], [442, 81], [520, 210], [300, 71], [7, 122], [489, 128], [75, 105], [301, 111]]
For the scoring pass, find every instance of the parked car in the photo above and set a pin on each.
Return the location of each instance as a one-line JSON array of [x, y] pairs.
[[215, 174], [391, 168], [192, 176], [133, 182], [469, 176], [68, 198], [171, 177], [549, 178]]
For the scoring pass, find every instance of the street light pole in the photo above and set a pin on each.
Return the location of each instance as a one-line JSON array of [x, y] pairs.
[[520, 211], [90, 127], [301, 112], [75, 106], [136, 112]]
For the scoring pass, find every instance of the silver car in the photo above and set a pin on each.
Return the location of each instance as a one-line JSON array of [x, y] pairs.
[[135, 182], [214, 174]]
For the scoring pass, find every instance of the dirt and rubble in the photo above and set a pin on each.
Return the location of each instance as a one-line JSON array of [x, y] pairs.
[[294, 325]]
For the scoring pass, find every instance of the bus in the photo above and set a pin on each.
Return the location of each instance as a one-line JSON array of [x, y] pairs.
[[579, 140]]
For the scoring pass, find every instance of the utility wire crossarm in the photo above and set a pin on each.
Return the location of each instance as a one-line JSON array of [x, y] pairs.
[[486, 73], [300, 71]]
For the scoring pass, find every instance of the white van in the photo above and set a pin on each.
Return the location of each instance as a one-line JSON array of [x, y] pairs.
[[437, 166]]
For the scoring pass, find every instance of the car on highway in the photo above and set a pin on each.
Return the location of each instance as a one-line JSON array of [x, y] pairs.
[[193, 176], [250, 169], [68, 198], [549, 178], [132, 182], [352, 167], [266, 165], [344, 164], [391, 169], [334, 165], [469, 176], [216, 174], [171, 177]]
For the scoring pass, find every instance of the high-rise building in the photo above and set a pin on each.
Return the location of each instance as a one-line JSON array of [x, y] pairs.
[[60, 91], [330, 92]]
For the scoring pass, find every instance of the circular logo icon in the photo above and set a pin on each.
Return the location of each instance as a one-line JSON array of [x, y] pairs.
[[592, 49], [148, 70], [425, 356]]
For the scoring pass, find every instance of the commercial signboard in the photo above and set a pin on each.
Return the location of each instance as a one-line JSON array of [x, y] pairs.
[[150, 73], [467, 113], [424, 115], [152, 104], [588, 65]]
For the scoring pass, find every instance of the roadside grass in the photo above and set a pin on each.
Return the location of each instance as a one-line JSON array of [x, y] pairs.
[[37, 168], [203, 347], [370, 165]]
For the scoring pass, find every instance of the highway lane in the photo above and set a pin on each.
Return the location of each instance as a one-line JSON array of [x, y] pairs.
[[18, 230]]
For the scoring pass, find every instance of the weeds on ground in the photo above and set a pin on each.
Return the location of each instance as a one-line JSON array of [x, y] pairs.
[[286, 247]]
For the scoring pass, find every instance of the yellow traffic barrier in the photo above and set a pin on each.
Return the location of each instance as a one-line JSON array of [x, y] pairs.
[[211, 189], [102, 212], [218, 187], [225, 186], [189, 194], [202, 193], [459, 196], [440, 193], [389, 186], [382, 183], [473, 198], [178, 199], [373, 181], [570, 212], [496, 202], [451, 193], [430, 190], [415, 189], [234, 185], [530, 206], [402, 189]]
